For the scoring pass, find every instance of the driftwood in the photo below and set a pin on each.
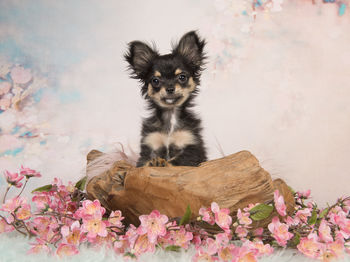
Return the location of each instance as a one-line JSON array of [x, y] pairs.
[[233, 182]]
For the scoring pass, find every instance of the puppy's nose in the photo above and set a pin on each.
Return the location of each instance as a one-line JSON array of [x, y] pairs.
[[170, 90]]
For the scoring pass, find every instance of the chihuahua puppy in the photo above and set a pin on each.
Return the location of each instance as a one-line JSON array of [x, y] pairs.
[[172, 134]]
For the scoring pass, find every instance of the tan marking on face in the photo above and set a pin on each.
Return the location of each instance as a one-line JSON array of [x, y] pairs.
[[182, 138], [179, 90], [178, 71], [157, 73], [155, 140], [185, 92]]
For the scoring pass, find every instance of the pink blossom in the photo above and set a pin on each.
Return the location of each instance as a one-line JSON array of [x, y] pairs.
[[38, 247], [4, 88], [143, 245], [203, 255], [41, 199], [28, 173], [13, 179], [115, 219], [153, 225], [207, 215], [259, 231], [181, 238], [280, 231], [4, 227], [73, 235], [279, 203], [222, 239], [95, 227], [5, 103], [245, 254], [243, 218], [227, 253], [222, 216], [90, 210], [259, 245], [324, 232], [309, 247], [17, 206], [66, 250], [20, 75], [302, 215], [241, 231], [331, 251]]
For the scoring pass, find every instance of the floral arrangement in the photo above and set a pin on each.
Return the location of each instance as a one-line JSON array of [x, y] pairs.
[[64, 219]]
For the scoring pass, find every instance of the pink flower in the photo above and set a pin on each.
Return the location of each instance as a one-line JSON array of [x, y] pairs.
[[279, 203], [259, 231], [73, 235], [222, 216], [90, 210], [66, 250], [143, 245], [38, 247], [280, 231], [153, 225], [20, 75], [259, 245], [241, 231], [4, 88], [181, 238], [245, 254], [17, 206], [302, 215], [309, 247], [5, 103], [115, 219], [324, 232], [227, 253], [243, 218], [28, 173], [41, 199], [13, 179], [331, 251], [207, 215], [4, 227], [95, 227], [203, 255]]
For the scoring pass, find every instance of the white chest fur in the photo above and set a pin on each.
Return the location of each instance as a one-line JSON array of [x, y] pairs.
[[179, 138]]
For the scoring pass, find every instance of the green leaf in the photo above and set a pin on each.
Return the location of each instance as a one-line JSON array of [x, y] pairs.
[[173, 248], [312, 220], [46, 188], [260, 212], [81, 183], [129, 254], [324, 212], [296, 239], [186, 217]]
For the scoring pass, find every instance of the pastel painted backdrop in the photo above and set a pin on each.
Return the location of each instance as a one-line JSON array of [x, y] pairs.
[[277, 83]]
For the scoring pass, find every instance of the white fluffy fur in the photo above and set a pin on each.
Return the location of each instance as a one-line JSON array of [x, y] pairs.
[[106, 161]]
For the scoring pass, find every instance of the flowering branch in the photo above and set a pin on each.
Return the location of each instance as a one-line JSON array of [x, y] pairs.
[[64, 220]]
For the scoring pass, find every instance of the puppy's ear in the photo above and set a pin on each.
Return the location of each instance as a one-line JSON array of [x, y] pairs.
[[191, 48], [140, 57]]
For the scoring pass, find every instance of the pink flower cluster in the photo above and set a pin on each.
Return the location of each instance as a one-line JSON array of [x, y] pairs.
[[63, 220]]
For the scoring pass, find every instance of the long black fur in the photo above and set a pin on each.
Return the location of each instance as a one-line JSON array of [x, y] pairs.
[[188, 55]]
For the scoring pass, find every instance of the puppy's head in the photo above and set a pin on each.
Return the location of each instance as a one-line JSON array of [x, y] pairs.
[[168, 80]]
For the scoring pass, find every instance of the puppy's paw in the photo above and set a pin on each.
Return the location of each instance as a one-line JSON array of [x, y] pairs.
[[158, 162]]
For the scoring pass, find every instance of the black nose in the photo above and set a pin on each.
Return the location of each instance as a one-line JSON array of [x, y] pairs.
[[170, 90]]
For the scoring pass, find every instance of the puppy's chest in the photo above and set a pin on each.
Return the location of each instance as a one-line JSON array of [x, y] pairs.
[[171, 132]]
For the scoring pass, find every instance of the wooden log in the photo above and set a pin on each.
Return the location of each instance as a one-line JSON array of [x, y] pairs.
[[233, 182]]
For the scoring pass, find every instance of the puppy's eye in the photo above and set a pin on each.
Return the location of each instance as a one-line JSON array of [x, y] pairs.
[[155, 82], [182, 78]]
